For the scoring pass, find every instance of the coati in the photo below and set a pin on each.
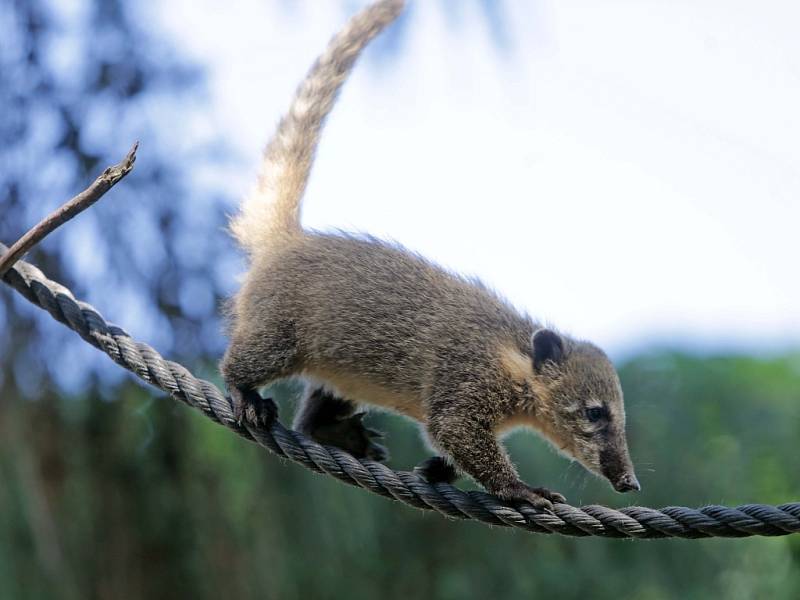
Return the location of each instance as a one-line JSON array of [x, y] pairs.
[[366, 321]]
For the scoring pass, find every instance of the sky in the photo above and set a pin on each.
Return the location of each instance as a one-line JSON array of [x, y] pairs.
[[626, 172]]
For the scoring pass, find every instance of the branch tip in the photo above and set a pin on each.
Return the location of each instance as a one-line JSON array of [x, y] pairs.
[[107, 179]]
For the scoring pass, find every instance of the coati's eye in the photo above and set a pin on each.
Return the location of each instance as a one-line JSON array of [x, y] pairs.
[[596, 413]]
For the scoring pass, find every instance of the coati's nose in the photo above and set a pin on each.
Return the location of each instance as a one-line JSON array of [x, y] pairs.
[[627, 483]]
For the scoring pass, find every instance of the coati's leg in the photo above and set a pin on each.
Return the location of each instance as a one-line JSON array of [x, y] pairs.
[[255, 358], [469, 440], [333, 421]]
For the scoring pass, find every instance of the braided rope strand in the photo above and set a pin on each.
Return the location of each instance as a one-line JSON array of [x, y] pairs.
[[403, 486]]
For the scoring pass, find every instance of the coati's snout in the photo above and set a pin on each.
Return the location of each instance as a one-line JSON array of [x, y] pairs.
[[585, 416], [615, 465], [627, 483]]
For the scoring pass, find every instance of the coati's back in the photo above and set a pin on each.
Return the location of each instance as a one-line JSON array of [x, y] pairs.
[[360, 305]]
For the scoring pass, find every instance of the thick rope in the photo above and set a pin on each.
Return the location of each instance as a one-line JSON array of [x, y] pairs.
[[630, 522]]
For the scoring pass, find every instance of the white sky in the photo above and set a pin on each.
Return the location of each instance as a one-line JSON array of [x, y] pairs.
[[627, 171]]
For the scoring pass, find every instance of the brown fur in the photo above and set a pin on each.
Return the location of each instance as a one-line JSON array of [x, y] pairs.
[[370, 322]]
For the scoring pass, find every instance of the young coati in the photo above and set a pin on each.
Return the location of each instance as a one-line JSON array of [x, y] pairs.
[[366, 321]]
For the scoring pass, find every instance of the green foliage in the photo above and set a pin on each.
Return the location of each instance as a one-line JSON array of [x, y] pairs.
[[140, 497]]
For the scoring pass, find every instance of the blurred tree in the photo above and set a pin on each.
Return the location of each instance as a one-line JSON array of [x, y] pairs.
[[78, 84]]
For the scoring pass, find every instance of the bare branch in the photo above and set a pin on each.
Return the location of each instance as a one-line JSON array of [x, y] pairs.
[[78, 204]]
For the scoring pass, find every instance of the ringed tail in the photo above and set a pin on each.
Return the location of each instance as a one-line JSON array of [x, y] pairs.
[[272, 211]]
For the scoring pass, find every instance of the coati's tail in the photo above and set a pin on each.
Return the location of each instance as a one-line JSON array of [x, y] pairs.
[[272, 210]]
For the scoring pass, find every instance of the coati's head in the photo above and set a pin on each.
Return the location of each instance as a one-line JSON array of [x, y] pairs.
[[581, 409]]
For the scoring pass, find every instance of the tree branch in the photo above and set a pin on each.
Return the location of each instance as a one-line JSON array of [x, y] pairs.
[[78, 204]]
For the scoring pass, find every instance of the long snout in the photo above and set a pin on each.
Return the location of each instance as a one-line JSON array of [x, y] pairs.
[[616, 465], [627, 483]]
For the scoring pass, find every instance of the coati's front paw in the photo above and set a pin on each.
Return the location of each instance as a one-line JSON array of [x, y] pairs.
[[250, 407], [436, 469], [350, 433], [540, 498]]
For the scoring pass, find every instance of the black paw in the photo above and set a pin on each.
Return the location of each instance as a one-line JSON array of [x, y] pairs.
[[436, 469], [540, 498], [350, 433], [250, 407]]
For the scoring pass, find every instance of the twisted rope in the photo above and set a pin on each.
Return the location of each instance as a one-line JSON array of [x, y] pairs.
[[404, 486]]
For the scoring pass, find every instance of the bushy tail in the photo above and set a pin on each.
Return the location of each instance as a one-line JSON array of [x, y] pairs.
[[272, 210]]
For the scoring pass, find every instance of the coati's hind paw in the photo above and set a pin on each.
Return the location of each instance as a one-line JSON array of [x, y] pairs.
[[540, 498], [350, 433], [250, 407], [436, 469]]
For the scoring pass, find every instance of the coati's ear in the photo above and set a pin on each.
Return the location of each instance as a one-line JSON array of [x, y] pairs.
[[546, 345]]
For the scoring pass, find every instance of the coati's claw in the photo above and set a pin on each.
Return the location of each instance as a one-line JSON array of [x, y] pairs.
[[377, 452], [260, 412], [250, 407], [557, 498], [369, 432], [352, 435], [436, 469], [237, 400], [375, 434], [540, 498]]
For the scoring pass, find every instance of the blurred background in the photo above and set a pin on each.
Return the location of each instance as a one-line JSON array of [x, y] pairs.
[[625, 171]]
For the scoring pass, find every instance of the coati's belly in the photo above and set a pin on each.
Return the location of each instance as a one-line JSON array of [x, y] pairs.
[[356, 388]]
